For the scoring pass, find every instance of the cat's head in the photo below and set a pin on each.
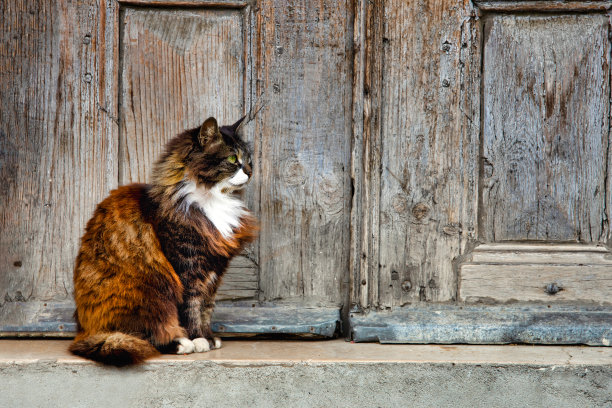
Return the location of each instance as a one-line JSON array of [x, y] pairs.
[[219, 156], [209, 157]]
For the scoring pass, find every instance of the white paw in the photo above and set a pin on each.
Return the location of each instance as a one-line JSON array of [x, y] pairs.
[[186, 346], [201, 345], [217, 342]]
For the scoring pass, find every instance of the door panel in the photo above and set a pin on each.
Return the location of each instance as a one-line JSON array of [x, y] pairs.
[[488, 123], [178, 67], [546, 90], [126, 76]]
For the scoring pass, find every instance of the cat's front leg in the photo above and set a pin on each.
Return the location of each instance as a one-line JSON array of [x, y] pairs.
[[197, 330], [207, 311]]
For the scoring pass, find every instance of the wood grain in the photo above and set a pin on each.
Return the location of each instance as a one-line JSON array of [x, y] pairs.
[[546, 96], [429, 149], [585, 283], [56, 138], [365, 157], [178, 67], [542, 5], [303, 69], [523, 272]]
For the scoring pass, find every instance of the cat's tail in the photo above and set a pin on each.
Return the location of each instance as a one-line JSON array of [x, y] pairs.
[[118, 349]]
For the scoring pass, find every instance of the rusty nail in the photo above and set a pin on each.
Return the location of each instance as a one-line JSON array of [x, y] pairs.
[[445, 83], [363, 281], [87, 77]]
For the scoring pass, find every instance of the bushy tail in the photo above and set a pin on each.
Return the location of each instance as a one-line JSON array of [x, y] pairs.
[[118, 349]]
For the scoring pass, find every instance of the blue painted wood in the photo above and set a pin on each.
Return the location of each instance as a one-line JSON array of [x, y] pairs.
[[54, 319], [447, 324], [301, 320]]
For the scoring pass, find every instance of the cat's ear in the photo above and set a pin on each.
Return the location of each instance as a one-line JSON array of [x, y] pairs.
[[209, 131], [237, 124], [232, 130]]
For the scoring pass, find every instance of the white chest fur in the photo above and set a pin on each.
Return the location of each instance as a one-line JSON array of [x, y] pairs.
[[223, 210]]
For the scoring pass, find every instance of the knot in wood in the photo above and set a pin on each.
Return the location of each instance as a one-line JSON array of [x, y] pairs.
[[420, 211]]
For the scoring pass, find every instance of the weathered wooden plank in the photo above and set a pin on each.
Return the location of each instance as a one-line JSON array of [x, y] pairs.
[[429, 149], [542, 282], [186, 3], [546, 128], [46, 318], [276, 319], [365, 157], [54, 319], [241, 281], [303, 68], [542, 5], [448, 324], [56, 138], [540, 253]]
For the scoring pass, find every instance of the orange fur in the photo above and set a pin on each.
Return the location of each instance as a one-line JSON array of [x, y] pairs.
[[120, 264]]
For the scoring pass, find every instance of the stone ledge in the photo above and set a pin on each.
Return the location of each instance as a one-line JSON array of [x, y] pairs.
[[312, 373]]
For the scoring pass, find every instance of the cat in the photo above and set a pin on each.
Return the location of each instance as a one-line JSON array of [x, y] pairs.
[[153, 255]]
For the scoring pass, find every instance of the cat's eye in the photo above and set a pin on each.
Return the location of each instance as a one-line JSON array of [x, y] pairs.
[[232, 159]]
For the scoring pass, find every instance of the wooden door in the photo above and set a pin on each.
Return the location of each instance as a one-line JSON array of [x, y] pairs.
[[92, 90], [483, 175], [426, 171]]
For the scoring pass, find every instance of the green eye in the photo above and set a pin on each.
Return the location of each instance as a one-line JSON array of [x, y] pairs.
[[232, 159]]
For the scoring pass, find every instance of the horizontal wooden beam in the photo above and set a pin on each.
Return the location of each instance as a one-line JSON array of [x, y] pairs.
[[542, 6], [54, 319], [186, 3], [449, 324], [537, 272], [276, 319]]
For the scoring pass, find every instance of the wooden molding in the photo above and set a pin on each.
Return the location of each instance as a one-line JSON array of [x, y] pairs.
[[542, 6], [185, 3], [541, 273]]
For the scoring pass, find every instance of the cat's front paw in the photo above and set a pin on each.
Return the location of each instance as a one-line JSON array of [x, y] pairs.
[[185, 346], [202, 344]]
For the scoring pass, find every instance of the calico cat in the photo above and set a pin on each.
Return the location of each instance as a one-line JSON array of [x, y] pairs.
[[153, 255]]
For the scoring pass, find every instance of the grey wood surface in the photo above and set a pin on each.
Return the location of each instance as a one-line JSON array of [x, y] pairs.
[[395, 138], [546, 90], [536, 6], [178, 67], [549, 273], [57, 147], [428, 161], [304, 68]]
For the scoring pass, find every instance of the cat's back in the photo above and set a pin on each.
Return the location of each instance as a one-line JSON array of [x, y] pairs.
[[121, 236]]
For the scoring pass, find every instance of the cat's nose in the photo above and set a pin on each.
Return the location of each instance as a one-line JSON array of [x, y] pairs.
[[247, 170]]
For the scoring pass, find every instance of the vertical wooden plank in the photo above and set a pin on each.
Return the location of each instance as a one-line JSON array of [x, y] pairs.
[[429, 149], [546, 128], [365, 212], [303, 68], [54, 141]]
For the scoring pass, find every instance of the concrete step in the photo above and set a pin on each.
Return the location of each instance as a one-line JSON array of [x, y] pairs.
[[333, 373]]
